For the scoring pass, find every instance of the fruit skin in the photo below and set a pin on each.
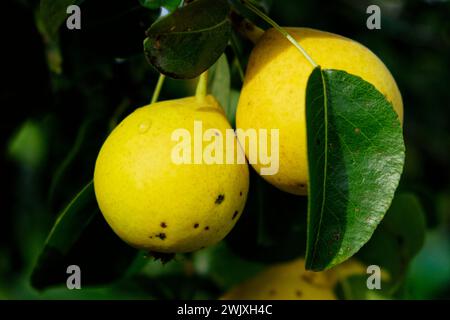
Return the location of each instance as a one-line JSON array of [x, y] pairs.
[[290, 281], [273, 94], [155, 204]]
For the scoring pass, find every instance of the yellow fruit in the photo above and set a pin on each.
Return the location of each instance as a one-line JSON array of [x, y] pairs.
[[155, 204], [290, 281], [273, 95]]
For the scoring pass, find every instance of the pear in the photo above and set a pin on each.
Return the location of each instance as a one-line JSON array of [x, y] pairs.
[[290, 281], [151, 191], [273, 94]]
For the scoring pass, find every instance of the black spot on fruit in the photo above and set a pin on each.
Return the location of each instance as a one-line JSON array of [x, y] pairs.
[[220, 198], [240, 193], [206, 228], [196, 226], [163, 225], [234, 215], [162, 236], [298, 293], [308, 277]]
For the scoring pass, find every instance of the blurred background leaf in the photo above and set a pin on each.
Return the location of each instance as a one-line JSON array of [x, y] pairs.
[[398, 238], [429, 275], [54, 13]]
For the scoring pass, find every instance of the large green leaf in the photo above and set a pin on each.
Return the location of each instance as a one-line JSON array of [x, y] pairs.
[[398, 238], [54, 13], [187, 42], [356, 156]]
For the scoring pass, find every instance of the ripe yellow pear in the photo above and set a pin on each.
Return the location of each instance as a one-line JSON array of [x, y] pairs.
[[290, 281], [273, 94], [155, 203]]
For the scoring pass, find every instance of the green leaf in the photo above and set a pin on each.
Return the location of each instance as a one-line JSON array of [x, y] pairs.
[[219, 85], [187, 42], [356, 156], [28, 145], [80, 236], [66, 230], [398, 238], [429, 273], [63, 168], [156, 4], [72, 221], [54, 13]]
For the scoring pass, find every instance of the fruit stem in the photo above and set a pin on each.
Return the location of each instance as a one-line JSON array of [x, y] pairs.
[[202, 87], [158, 87], [266, 18]]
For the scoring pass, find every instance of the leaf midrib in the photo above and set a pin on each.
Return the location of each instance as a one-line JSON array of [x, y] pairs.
[[325, 169], [224, 21], [64, 212]]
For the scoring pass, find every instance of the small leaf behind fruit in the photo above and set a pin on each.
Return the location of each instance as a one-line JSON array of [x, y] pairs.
[[356, 156], [219, 85], [187, 42]]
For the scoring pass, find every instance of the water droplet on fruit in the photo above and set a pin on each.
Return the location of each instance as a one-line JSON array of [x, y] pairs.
[[144, 126]]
